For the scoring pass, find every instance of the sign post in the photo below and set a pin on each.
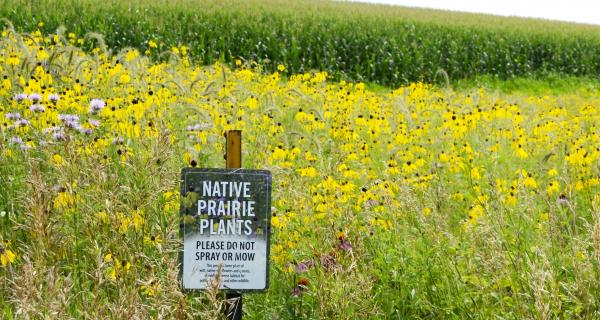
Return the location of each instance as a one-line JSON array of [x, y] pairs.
[[226, 224], [233, 159]]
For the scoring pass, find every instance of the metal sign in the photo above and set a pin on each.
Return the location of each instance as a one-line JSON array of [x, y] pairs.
[[226, 217]]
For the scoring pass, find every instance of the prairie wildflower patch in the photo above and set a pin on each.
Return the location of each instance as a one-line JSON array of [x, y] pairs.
[[418, 202]]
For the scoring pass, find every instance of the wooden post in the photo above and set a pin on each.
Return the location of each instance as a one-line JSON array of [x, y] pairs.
[[233, 159], [233, 149]]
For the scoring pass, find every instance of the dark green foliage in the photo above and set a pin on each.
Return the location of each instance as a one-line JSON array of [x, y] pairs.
[[380, 44]]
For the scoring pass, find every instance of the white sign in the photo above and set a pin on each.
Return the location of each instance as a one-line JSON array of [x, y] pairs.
[[226, 224]]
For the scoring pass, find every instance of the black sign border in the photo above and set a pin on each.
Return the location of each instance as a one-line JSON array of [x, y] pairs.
[[224, 171]]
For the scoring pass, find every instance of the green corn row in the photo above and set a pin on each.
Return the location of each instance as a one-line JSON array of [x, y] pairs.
[[380, 44]]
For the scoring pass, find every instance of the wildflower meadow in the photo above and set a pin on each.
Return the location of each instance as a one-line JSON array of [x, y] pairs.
[[417, 202]]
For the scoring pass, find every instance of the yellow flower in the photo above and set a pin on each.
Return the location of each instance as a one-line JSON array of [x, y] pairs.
[[6, 256], [276, 222], [123, 223], [475, 213], [64, 200], [426, 212], [475, 175], [58, 160], [117, 267], [511, 199], [553, 187], [124, 78], [307, 172], [112, 274], [138, 219], [529, 181], [149, 289], [521, 153], [152, 44], [131, 55], [124, 265], [153, 240], [187, 157], [13, 60], [102, 216]]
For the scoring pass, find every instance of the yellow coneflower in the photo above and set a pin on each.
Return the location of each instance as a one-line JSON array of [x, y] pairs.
[[553, 187], [6, 256], [150, 288], [154, 240]]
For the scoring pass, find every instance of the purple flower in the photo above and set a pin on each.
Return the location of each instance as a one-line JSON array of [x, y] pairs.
[[296, 291], [51, 129], [25, 147], [86, 131], [15, 140], [304, 266], [563, 200], [53, 97], [20, 97], [13, 116], [70, 120], [35, 97], [96, 105], [22, 123], [301, 286], [37, 108], [73, 125], [68, 117], [58, 135], [371, 203], [94, 123], [301, 267], [118, 140], [328, 262], [345, 245]]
